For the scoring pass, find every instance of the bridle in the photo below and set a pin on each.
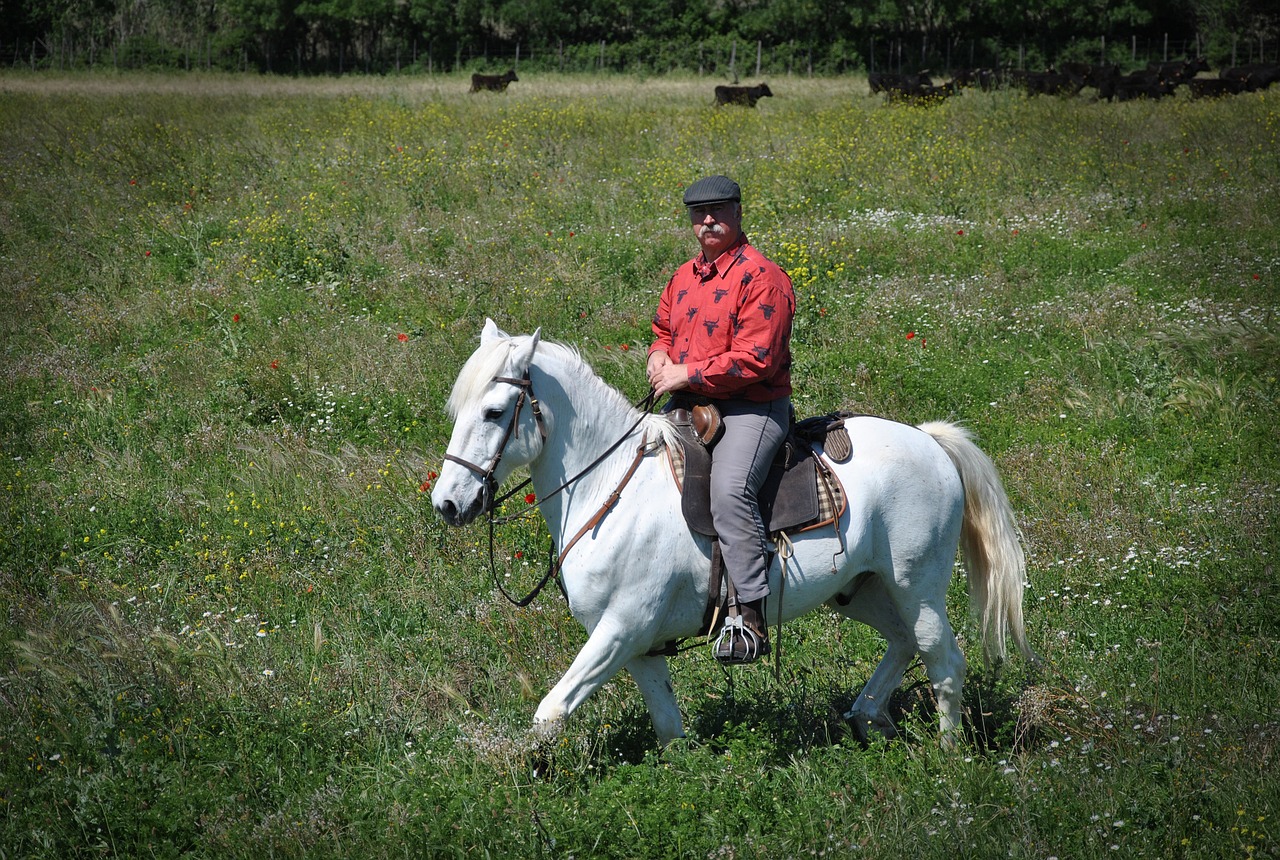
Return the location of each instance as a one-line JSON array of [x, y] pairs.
[[491, 483], [513, 432]]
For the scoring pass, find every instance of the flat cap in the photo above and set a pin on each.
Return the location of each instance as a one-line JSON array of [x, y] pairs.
[[712, 189]]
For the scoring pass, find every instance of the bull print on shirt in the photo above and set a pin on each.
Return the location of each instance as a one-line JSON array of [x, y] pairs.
[[711, 326], [767, 310], [720, 294]]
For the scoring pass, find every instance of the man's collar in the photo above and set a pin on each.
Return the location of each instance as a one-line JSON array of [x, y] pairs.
[[722, 264]]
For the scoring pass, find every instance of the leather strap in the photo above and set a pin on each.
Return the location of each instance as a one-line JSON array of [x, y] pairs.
[[607, 506]]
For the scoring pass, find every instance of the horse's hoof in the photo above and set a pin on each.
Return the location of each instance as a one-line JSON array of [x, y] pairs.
[[869, 729]]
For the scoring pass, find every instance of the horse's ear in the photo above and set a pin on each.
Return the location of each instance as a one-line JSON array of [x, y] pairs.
[[491, 331], [523, 355]]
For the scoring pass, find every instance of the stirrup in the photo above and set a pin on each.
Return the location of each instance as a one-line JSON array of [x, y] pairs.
[[738, 643]]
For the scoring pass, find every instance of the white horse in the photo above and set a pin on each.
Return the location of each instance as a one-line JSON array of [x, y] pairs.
[[636, 577]]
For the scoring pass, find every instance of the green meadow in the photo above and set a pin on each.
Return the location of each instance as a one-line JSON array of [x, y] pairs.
[[232, 309]]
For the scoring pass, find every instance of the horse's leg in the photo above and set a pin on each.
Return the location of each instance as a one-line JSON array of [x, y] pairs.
[[872, 606], [944, 663], [609, 647], [653, 676], [928, 634]]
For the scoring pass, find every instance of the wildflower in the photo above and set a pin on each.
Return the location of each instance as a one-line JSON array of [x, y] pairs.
[[402, 337], [275, 365], [624, 346], [959, 232], [235, 318], [148, 254], [910, 335], [530, 498], [1257, 277], [519, 553], [424, 487]]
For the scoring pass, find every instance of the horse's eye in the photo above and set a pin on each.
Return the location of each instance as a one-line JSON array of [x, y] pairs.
[[493, 413]]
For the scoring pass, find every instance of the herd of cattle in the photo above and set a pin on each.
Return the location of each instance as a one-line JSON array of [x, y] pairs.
[[1155, 81]]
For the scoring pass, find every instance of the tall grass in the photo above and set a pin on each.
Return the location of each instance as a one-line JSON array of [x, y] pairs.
[[232, 309]]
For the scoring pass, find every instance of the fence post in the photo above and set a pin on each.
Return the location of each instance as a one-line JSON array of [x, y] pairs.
[[733, 60], [759, 49]]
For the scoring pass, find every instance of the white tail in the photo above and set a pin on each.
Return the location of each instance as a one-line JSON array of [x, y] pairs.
[[993, 556]]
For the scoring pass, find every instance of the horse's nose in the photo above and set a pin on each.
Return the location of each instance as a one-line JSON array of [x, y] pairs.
[[447, 510]]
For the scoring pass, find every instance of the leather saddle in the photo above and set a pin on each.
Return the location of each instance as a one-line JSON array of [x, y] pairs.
[[800, 493]]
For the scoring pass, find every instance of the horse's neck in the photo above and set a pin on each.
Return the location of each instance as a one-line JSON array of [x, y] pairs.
[[589, 419]]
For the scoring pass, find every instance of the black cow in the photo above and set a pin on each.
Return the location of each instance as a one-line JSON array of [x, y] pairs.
[[1214, 87], [983, 79], [745, 96], [1255, 76], [1179, 71], [1136, 85], [1088, 75], [924, 94], [890, 83], [1048, 82], [493, 83]]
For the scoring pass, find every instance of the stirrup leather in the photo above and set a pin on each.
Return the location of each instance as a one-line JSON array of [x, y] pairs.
[[738, 643]]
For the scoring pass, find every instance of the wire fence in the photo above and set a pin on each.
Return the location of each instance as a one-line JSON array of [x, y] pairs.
[[726, 58]]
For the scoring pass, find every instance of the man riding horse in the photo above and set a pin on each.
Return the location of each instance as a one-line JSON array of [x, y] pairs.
[[723, 332]]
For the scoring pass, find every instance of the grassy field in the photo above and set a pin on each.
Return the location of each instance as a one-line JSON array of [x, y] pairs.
[[231, 311]]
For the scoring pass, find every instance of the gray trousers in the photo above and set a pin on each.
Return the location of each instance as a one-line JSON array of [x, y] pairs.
[[753, 433]]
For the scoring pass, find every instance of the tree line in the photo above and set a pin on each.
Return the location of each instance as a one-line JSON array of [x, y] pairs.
[[720, 37]]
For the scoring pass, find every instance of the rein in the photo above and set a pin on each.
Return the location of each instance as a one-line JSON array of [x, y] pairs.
[[645, 405]]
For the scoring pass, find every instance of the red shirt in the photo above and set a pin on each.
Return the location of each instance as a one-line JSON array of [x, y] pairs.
[[730, 323]]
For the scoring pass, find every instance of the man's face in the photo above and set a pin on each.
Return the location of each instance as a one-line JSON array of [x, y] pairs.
[[717, 226]]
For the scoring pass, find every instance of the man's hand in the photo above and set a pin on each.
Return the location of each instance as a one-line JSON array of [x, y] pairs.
[[669, 377]]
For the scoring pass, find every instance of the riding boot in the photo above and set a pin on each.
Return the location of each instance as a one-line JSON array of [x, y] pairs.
[[744, 638]]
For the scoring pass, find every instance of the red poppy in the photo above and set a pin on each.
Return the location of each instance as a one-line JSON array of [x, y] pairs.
[[519, 554], [234, 317], [275, 365], [910, 335], [959, 232], [425, 486], [1257, 277], [402, 337], [530, 498], [624, 346], [148, 253]]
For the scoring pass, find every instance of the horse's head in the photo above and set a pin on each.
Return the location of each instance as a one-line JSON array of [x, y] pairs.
[[497, 425]]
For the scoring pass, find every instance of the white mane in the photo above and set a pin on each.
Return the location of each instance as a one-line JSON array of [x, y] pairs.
[[493, 358]]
